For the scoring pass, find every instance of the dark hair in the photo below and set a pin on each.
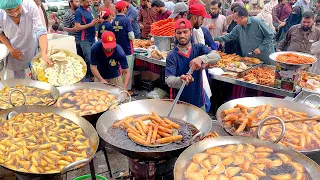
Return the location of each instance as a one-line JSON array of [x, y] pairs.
[[183, 13], [318, 1], [70, 3], [55, 26], [241, 11], [189, 15], [214, 2], [157, 3], [318, 19], [234, 5], [105, 17], [308, 15]]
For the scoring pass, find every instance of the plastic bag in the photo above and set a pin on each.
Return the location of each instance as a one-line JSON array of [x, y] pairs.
[[157, 93]]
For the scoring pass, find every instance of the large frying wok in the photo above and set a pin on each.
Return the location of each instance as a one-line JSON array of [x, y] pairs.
[[87, 128], [32, 83], [182, 111], [274, 102], [186, 156], [112, 89]]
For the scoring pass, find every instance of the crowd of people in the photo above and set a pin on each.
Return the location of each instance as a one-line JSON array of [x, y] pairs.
[[104, 32]]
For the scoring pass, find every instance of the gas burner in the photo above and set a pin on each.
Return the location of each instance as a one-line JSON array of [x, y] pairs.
[[151, 170]]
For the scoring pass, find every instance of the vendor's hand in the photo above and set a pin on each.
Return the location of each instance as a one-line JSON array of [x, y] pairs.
[[195, 64], [46, 59], [188, 78], [103, 81], [257, 51], [141, 26], [16, 54], [282, 24]]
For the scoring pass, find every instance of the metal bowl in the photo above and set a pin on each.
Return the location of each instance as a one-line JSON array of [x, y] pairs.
[[179, 167], [3, 54], [87, 128]]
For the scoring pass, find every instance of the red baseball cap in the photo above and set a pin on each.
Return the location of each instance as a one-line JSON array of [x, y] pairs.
[[182, 24], [107, 12], [198, 10], [108, 40], [121, 5]]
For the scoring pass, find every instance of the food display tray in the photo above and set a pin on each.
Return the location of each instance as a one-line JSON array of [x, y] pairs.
[[151, 60]]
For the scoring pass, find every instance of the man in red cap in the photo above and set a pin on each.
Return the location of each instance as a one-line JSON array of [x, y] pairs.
[[122, 28], [106, 58], [187, 56], [106, 24]]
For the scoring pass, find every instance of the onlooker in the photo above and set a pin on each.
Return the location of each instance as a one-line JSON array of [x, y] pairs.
[[169, 5], [147, 15], [95, 10], [281, 12], [294, 19], [317, 10], [217, 24], [305, 4], [123, 31], [132, 13], [234, 45], [85, 25], [69, 22], [266, 17], [180, 11], [315, 49], [106, 59], [109, 5], [253, 35], [162, 11], [55, 28], [318, 22], [106, 24], [42, 12], [300, 37]]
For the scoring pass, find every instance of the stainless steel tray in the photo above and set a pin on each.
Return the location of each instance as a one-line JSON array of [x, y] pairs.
[[274, 55]]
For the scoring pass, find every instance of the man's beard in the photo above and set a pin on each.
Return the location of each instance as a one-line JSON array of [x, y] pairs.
[[143, 7], [196, 26], [214, 15], [292, 3], [305, 28], [183, 44]]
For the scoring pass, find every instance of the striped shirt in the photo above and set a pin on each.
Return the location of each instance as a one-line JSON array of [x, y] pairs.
[[68, 22]]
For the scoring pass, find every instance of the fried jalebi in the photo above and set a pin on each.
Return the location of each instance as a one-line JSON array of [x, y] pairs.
[[261, 75], [139, 43], [163, 28], [295, 58]]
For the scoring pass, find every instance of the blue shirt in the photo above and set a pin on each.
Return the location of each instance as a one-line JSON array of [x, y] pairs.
[[132, 13], [177, 64], [121, 26], [105, 26], [84, 16], [108, 66]]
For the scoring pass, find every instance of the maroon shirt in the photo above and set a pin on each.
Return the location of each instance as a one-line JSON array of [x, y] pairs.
[[281, 12], [162, 16], [146, 18]]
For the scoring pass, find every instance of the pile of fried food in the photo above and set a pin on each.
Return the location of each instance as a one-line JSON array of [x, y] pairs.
[[42, 143], [299, 135], [261, 75], [310, 82], [67, 69], [214, 134], [295, 58], [227, 59], [87, 101], [149, 130], [243, 162], [139, 43], [34, 96], [156, 54], [163, 28]]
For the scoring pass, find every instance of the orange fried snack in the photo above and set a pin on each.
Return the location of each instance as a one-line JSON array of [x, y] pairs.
[[295, 58], [163, 28]]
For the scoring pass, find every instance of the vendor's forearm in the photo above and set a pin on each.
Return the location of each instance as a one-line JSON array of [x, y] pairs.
[[43, 43], [69, 29], [212, 58], [96, 73], [131, 35], [126, 74], [6, 41], [173, 82], [79, 27]]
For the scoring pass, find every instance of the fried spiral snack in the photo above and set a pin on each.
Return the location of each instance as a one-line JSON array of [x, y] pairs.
[[295, 59], [163, 28], [261, 75]]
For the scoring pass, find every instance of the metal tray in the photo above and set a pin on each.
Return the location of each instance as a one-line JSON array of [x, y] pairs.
[[87, 128], [186, 156], [274, 56], [274, 102], [308, 98]]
